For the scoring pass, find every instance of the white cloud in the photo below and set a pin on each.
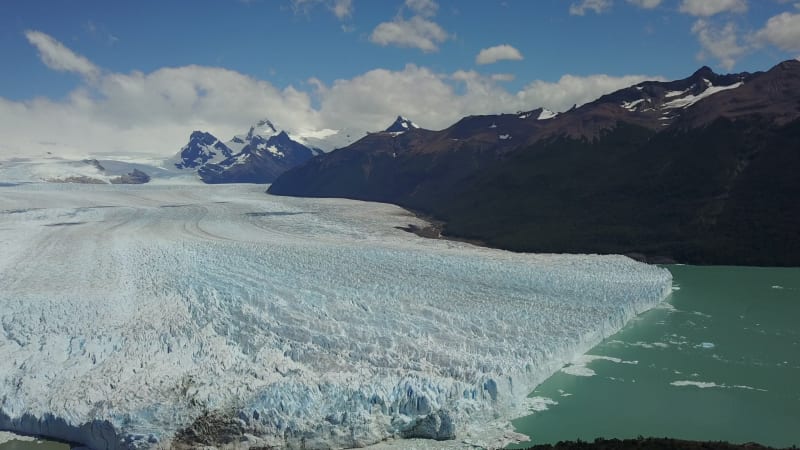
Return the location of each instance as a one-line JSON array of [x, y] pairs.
[[154, 113], [572, 90], [58, 57], [436, 100], [646, 4], [425, 8], [417, 32], [598, 6], [782, 31], [707, 8], [721, 43], [340, 8], [343, 8], [497, 53]]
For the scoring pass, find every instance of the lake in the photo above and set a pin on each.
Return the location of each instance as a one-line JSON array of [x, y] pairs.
[[721, 361]]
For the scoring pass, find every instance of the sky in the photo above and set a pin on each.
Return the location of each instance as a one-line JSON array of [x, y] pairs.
[[135, 78]]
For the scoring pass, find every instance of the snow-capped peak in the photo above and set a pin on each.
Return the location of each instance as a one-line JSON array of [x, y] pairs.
[[539, 114], [263, 128], [546, 114], [400, 125], [202, 148]]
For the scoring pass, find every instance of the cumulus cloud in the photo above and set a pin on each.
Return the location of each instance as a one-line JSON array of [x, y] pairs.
[[435, 100], [720, 43], [58, 57], [646, 4], [707, 8], [417, 32], [782, 31], [598, 6], [572, 90], [498, 53], [154, 113], [148, 113]]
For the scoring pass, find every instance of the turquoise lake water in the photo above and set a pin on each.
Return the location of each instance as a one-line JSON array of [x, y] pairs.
[[719, 361]]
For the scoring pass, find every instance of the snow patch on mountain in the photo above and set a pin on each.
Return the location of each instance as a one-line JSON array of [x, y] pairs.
[[691, 99], [631, 106], [541, 114], [546, 114]]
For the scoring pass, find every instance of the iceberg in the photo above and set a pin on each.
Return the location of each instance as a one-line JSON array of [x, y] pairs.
[[137, 317]]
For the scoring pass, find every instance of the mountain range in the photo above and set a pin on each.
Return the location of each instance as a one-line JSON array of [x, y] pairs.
[[258, 156], [703, 170]]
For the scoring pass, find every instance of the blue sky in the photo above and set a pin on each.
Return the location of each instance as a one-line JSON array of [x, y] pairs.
[[349, 63]]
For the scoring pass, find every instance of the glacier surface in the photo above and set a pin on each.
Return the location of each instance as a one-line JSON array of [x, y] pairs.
[[131, 314]]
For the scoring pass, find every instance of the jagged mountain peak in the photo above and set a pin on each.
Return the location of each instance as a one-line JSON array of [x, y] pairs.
[[263, 127], [703, 72], [203, 147], [401, 124], [197, 134]]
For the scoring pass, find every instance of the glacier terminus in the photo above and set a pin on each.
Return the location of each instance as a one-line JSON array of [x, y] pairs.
[[179, 315]]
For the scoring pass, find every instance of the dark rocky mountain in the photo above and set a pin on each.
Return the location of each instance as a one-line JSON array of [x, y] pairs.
[[701, 170], [261, 160], [257, 157], [401, 125], [202, 148]]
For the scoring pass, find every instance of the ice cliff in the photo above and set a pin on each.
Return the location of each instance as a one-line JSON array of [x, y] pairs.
[[157, 315]]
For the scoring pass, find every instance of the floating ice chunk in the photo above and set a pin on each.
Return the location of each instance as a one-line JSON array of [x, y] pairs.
[[541, 403], [579, 368], [667, 306], [711, 384]]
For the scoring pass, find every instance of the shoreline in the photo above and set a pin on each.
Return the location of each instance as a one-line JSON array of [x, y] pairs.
[[436, 230]]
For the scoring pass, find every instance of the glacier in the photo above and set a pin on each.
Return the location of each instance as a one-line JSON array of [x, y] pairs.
[[137, 317]]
